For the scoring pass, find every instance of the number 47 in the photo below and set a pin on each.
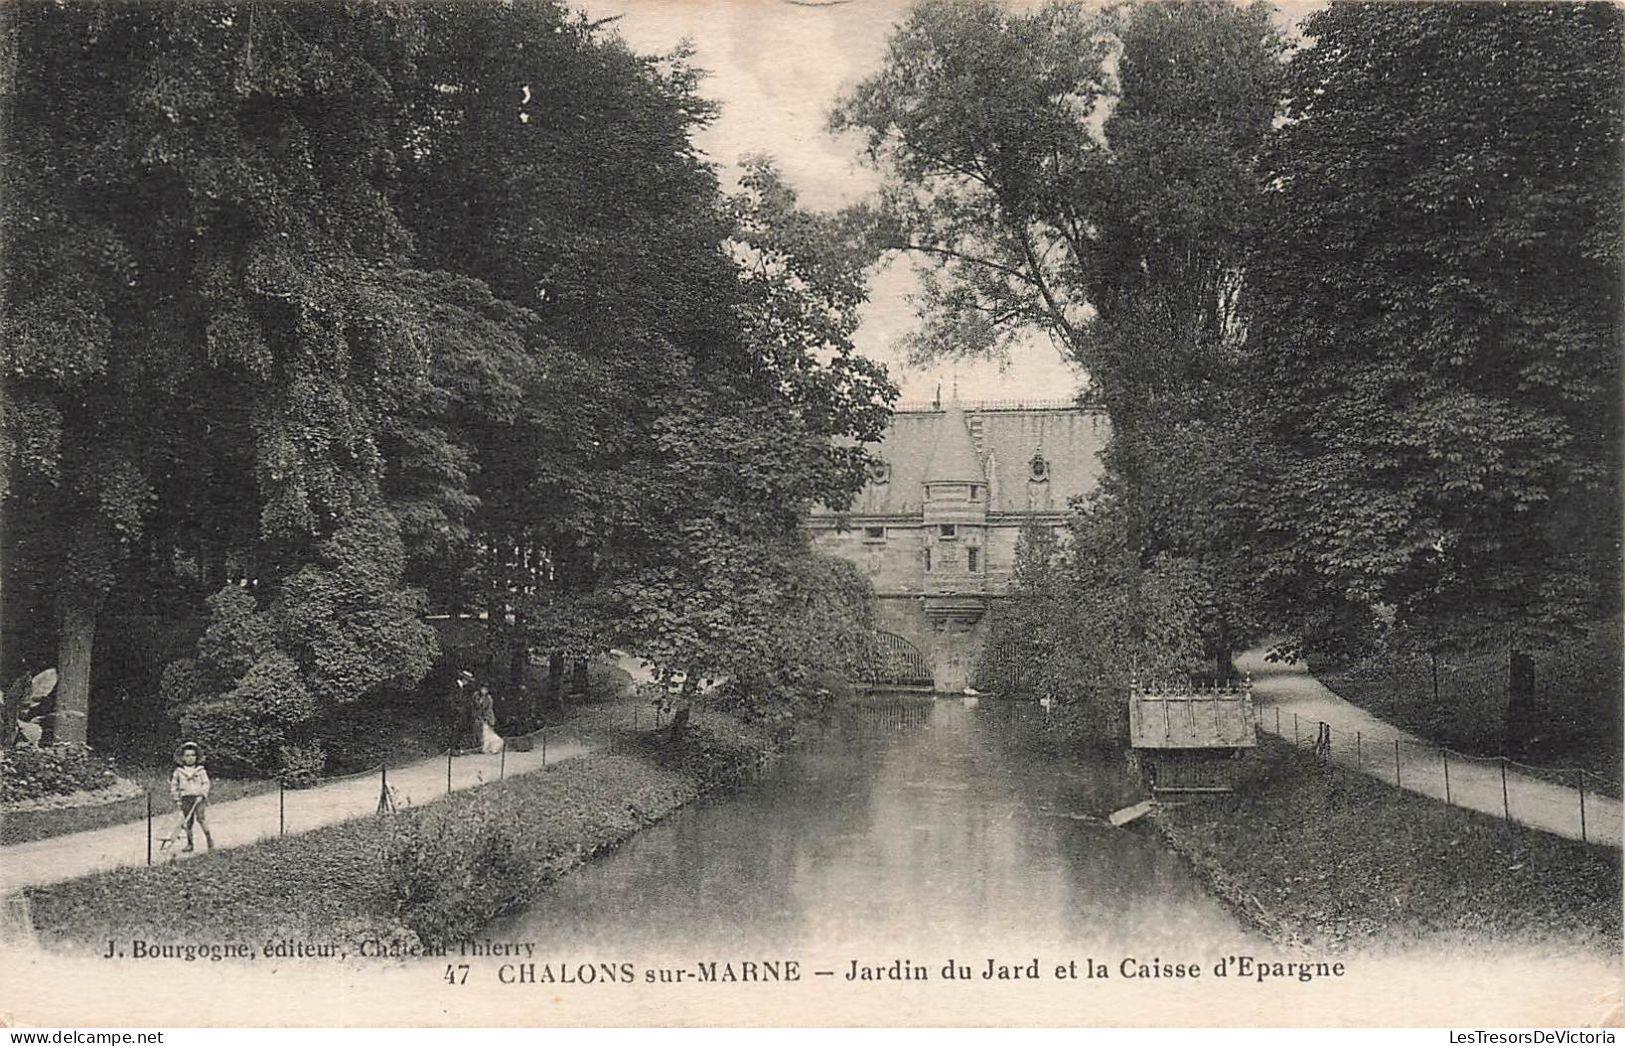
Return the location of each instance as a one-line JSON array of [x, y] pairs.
[[456, 974]]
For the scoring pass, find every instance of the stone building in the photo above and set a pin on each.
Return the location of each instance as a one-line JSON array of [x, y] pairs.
[[935, 528]]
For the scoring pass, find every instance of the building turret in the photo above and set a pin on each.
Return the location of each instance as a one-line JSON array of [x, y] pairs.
[[955, 518], [953, 454]]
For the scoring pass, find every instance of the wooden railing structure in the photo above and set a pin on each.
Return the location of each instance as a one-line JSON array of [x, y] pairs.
[[1188, 738]]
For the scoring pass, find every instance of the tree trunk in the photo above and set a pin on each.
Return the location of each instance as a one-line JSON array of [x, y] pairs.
[[1521, 723], [555, 678], [518, 654], [578, 676], [496, 636], [685, 705], [77, 633], [514, 697]]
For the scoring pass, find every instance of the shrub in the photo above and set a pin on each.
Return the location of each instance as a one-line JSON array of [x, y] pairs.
[[29, 771], [388, 725], [455, 865], [606, 682], [258, 720], [715, 749], [338, 630], [301, 765], [350, 620], [1096, 716]]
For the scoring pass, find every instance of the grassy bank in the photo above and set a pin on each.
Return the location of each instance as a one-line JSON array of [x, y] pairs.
[[1328, 858], [431, 874], [1577, 687]]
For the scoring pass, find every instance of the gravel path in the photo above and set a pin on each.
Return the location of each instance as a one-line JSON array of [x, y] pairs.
[[243, 822], [1293, 704]]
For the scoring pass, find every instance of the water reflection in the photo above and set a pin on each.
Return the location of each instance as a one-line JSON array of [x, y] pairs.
[[909, 822]]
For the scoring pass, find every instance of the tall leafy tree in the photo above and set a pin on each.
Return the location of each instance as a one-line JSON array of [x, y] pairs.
[[695, 367], [1094, 177], [773, 422], [1086, 615], [981, 120], [1436, 323], [204, 288], [552, 164], [312, 307]]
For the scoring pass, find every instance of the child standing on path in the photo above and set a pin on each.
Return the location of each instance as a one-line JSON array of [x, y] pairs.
[[189, 785]]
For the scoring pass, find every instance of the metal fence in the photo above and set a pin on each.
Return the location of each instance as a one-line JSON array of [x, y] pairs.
[[163, 820], [1473, 782]]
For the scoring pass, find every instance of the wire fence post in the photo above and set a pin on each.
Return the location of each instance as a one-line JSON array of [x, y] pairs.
[[1277, 719], [1445, 753], [149, 826], [383, 786], [502, 763], [1396, 763], [1295, 739], [1506, 806], [544, 748], [448, 771], [281, 807], [1359, 753], [1580, 775]]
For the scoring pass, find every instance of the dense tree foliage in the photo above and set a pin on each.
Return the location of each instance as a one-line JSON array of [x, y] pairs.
[[1437, 312], [1094, 177], [202, 283], [1436, 327], [1354, 313], [318, 316]]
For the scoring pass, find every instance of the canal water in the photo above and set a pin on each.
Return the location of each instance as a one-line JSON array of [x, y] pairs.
[[904, 823]]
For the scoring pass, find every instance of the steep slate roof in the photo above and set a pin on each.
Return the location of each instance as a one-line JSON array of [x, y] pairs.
[[953, 455], [1005, 440]]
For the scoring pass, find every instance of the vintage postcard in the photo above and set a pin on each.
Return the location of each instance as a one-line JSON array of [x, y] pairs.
[[810, 513]]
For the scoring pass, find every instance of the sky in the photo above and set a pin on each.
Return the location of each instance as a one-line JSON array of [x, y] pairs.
[[776, 67]]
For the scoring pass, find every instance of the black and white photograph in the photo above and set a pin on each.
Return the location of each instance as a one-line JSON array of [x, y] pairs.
[[809, 513]]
